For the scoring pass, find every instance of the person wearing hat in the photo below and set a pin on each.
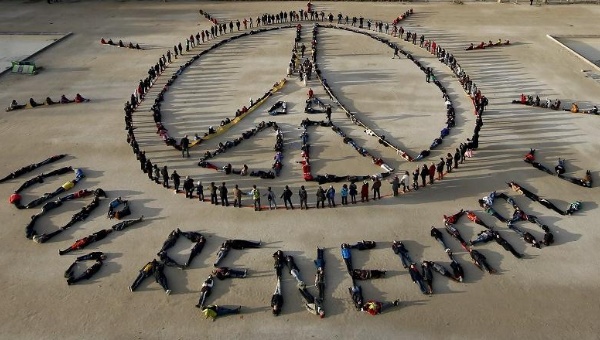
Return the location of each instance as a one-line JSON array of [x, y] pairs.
[[185, 146]]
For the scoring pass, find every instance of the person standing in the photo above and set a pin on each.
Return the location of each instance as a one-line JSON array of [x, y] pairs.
[[328, 113], [415, 178], [449, 159], [287, 197], [395, 185], [237, 197], [404, 181], [424, 174], [188, 187], [353, 191], [164, 172], [156, 172], [344, 194], [223, 194], [364, 192], [440, 169], [149, 169], [431, 172], [303, 197], [176, 180], [213, 193], [200, 191], [456, 158], [256, 197], [376, 188], [330, 197], [271, 199], [185, 147], [320, 197]]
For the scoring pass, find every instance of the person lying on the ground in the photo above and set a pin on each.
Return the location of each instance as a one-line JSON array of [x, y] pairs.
[[457, 269], [294, 271], [367, 274], [480, 261], [242, 244], [517, 188], [33, 103], [49, 101], [223, 251], [223, 273], [507, 246], [40, 178], [80, 99], [170, 241], [363, 245], [168, 261], [161, 278], [199, 241], [15, 106], [416, 277], [452, 231], [484, 236], [145, 272], [65, 100], [47, 196], [86, 275], [526, 236], [312, 305], [279, 262], [427, 273], [438, 236], [584, 182], [205, 291], [31, 167], [357, 297], [375, 307], [78, 217], [473, 217], [347, 256], [438, 268], [530, 156], [548, 239], [400, 250], [214, 311], [593, 110], [453, 218], [277, 299], [124, 224], [83, 242]]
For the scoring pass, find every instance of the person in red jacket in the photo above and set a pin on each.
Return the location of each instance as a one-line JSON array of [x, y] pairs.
[[432, 168]]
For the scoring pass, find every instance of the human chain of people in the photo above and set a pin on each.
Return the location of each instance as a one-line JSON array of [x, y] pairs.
[[421, 271]]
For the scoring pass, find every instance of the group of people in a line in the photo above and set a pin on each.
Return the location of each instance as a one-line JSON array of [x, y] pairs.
[[490, 44], [14, 105], [120, 44], [530, 100]]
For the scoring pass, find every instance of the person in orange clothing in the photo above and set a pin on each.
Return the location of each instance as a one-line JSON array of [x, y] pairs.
[[82, 242]]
